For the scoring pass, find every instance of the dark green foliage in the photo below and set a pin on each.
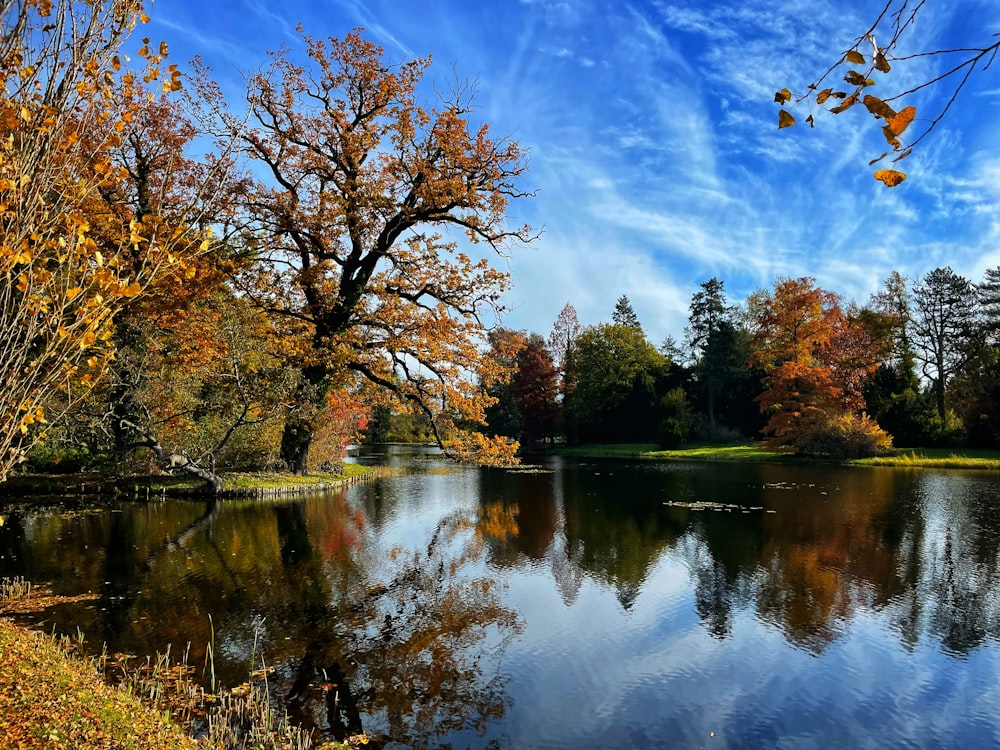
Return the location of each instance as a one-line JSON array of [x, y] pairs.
[[947, 329], [894, 399], [379, 426], [615, 373], [624, 314], [670, 434]]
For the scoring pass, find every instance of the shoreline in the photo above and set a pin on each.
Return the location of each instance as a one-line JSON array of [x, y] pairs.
[[926, 458], [239, 485]]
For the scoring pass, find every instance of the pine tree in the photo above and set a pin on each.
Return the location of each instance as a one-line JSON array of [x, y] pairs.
[[624, 314]]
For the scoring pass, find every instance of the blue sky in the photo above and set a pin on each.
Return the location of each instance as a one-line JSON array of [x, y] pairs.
[[653, 138]]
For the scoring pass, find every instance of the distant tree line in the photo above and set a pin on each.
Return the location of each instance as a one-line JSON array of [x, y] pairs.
[[795, 365]]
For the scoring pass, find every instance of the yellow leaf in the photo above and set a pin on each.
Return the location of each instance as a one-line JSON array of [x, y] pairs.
[[856, 58], [88, 339], [878, 107], [144, 18], [854, 78], [846, 104], [890, 137], [780, 97], [92, 362], [25, 114], [785, 120], [823, 95], [902, 120], [163, 49], [131, 290], [73, 293], [881, 63], [889, 177]]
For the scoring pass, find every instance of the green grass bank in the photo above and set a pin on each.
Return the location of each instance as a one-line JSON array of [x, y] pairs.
[[749, 452]]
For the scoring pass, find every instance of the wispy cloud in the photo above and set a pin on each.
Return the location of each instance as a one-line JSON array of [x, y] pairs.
[[654, 142]]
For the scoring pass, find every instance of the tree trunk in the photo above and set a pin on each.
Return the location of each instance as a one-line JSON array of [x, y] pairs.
[[296, 437], [295, 441]]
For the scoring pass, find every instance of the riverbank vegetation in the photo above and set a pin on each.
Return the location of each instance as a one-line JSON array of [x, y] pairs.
[[753, 452], [53, 697], [797, 367]]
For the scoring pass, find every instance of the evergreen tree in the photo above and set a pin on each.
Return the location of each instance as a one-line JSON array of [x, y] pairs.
[[624, 314], [712, 338], [946, 327]]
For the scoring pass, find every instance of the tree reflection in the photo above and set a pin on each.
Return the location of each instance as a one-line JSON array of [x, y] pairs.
[[402, 644]]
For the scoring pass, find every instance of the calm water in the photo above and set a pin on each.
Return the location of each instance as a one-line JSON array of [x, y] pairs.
[[570, 607]]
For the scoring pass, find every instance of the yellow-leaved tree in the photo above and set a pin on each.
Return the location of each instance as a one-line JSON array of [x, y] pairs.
[[352, 227], [69, 259]]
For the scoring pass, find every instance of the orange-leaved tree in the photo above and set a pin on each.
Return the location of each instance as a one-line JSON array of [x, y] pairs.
[[869, 60], [815, 357], [66, 103], [356, 226]]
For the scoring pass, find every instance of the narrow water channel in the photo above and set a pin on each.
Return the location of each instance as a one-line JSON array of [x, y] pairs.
[[570, 604]]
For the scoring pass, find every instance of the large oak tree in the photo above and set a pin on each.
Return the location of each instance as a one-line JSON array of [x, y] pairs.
[[357, 227]]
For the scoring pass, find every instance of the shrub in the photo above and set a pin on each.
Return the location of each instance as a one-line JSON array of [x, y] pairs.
[[670, 434], [841, 436]]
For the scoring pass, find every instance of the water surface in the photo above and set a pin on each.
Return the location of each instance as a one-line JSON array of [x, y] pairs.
[[580, 604]]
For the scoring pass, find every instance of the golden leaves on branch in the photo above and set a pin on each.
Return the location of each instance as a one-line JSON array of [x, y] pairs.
[[895, 123]]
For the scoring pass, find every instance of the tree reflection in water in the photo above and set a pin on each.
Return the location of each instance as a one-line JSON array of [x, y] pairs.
[[406, 647]]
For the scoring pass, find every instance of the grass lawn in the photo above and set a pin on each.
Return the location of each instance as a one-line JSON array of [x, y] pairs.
[[750, 452]]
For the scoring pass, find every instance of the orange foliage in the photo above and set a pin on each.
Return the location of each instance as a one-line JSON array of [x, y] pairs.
[[816, 358], [73, 252], [364, 178]]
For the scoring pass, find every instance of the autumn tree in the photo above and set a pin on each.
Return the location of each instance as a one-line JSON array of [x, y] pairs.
[[357, 230], [814, 356], [66, 104], [535, 386], [945, 329], [871, 59]]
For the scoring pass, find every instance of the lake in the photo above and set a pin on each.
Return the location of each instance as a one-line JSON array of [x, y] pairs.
[[570, 604]]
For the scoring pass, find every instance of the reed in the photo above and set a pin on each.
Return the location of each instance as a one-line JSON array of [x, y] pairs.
[[14, 589]]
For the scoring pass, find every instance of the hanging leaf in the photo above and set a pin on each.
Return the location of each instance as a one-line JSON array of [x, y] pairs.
[[878, 107], [839, 94], [846, 104], [889, 177], [823, 95], [876, 161], [890, 137], [855, 58], [811, 122], [780, 97], [903, 155], [854, 78], [785, 119], [881, 63], [902, 120]]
